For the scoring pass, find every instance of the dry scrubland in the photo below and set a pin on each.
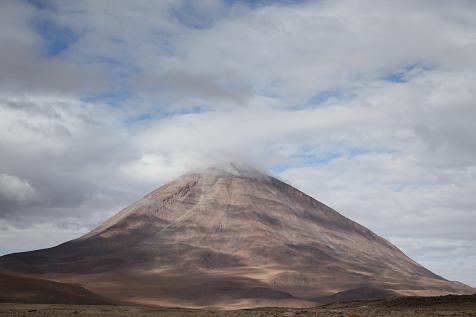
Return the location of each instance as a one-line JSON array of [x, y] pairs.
[[435, 306]]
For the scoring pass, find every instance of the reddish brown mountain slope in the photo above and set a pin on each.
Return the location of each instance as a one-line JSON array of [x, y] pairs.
[[230, 240]]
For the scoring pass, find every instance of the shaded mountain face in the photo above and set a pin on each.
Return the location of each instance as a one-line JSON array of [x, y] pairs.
[[229, 239], [19, 289]]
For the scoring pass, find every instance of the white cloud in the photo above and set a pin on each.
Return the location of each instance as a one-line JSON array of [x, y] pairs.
[[295, 52], [14, 189]]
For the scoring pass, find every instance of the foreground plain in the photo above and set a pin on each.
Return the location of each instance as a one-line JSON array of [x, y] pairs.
[[403, 306]]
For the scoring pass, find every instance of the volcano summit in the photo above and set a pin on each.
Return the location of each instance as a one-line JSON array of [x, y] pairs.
[[230, 239]]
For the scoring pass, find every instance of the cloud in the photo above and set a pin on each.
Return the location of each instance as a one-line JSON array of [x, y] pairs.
[[15, 190], [295, 52], [367, 106], [24, 67], [453, 259], [35, 237], [69, 152], [199, 87]]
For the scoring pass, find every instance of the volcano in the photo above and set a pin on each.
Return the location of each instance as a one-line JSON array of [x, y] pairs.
[[230, 239]]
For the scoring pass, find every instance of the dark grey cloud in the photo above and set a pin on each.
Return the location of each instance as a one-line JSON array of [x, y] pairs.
[[203, 88]]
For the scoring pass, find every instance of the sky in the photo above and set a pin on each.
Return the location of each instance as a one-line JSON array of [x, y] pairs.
[[368, 106]]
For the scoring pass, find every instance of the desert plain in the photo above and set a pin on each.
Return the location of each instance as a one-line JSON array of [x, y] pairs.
[[451, 305]]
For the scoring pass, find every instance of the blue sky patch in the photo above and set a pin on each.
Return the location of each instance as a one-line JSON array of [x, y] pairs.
[[192, 17], [57, 38], [321, 98], [313, 156], [325, 95], [162, 114], [279, 168], [40, 4], [403, 75], [112, 98]]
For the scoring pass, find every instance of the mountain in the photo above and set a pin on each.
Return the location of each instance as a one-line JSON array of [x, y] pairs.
[[229, 239]]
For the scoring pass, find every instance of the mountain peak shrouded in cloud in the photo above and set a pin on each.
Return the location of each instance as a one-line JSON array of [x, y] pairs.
[[240, 169], [230, 238], [366, 105]]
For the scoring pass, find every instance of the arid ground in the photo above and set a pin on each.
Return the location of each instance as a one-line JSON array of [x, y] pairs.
[[404, 306]]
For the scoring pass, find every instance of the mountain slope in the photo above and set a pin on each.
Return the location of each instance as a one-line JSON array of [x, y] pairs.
[[229, 239], [19, 289]]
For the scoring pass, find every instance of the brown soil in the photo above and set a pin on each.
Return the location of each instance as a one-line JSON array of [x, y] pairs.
[[403, 306]]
